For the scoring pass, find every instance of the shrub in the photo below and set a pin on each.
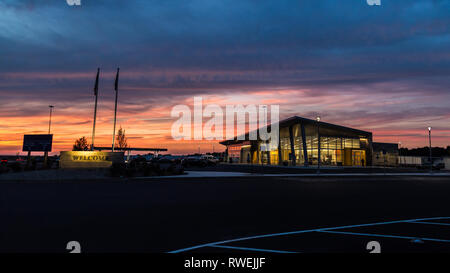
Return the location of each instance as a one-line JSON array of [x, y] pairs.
[[130, 172], [150, 169], [118, 169], [16, 167]]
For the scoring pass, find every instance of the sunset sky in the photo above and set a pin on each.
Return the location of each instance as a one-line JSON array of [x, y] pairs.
[[384, 69]]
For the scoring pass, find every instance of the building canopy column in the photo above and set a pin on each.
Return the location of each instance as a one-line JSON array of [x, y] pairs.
[[305, 151], [291, 140]]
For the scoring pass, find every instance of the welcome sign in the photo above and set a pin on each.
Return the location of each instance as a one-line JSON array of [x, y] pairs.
[[89, 159]]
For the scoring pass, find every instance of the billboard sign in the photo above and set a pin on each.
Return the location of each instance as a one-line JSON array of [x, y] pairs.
[[37, 143]]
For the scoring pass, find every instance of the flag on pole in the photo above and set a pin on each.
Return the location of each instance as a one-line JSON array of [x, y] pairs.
[[116, 83], [116, 87], [95, 108], [96, 82]]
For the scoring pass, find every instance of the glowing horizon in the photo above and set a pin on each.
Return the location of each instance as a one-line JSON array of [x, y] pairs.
[[151, 128]]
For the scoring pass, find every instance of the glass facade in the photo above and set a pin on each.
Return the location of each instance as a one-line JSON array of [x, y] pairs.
[[299, 144]]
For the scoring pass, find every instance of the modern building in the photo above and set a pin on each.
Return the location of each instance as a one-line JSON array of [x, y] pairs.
[[299, 142]]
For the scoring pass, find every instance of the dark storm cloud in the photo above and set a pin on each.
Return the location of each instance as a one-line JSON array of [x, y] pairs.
[[227, 35]]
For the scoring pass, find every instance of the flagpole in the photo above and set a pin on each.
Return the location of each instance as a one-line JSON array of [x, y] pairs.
[[116, 87], [95, 108]]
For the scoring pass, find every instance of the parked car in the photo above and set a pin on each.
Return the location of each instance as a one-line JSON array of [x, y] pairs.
[[201, 160], [172, 158], [195, 160], [149, 157], [139, 158], [435, 166], [210, 159], [169, 164]]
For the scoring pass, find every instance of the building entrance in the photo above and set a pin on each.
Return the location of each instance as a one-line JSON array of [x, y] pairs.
[[359, 158]]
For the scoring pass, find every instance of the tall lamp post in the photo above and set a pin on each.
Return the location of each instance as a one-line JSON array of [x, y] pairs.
[[50, 119], [49, 129], [318, 144], [429, 140], [400, 151]]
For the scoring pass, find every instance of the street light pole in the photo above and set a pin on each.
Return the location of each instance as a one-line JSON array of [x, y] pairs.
[[318, 144], [49, 128], [50, 119], [429, 139]]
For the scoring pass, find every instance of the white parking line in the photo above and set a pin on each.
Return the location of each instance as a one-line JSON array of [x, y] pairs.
[[318, 230]]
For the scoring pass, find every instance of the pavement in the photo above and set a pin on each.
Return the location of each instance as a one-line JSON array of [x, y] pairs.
[[247, 214], [54, 175], [277, 169], [212, 174]]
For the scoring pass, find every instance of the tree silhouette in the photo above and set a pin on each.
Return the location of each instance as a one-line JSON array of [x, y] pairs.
[[81, 144], [425, 151], [121, 138]]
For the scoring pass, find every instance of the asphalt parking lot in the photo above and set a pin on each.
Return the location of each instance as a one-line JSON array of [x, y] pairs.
[[227, 214]]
